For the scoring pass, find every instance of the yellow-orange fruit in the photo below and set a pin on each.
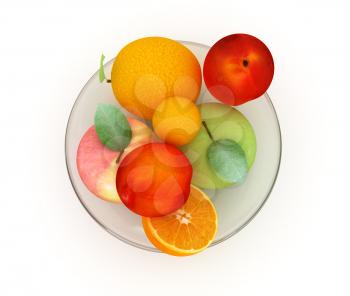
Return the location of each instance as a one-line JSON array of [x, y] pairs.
[[188, 230], [176, 121], [151, 69]]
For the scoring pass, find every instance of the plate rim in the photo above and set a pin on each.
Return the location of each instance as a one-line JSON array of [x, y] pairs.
[[153, 249]]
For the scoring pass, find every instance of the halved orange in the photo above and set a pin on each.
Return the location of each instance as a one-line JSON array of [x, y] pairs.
[[188, 230]]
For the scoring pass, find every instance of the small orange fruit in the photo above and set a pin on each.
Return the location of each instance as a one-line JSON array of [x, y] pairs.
[[187, 231], [176, 121], [149, 70]]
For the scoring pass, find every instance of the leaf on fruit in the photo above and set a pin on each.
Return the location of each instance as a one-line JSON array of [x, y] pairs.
[[112, 127], [101, 72], [228, 160]]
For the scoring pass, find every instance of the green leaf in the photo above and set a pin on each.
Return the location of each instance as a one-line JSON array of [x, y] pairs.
[[102, 69], [112, 127], [228, 160]]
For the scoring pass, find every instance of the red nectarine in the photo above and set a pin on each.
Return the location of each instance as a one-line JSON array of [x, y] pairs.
[[238, 68], [154, 179]]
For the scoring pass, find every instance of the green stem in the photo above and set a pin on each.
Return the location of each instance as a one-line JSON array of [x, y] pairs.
[[208, 131], [119, 156]]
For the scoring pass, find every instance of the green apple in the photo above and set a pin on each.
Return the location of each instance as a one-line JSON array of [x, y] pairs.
[[219, 122]]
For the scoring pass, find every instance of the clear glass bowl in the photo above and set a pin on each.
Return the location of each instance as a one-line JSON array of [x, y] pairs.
[[236, 206]]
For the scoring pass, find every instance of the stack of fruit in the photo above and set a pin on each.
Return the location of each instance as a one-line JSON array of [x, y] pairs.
[[158, 172]]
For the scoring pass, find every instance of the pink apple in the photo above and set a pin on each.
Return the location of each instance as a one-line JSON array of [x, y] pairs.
[[97, 164]]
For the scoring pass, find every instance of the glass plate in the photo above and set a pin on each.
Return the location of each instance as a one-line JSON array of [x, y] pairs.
[[236, 206]]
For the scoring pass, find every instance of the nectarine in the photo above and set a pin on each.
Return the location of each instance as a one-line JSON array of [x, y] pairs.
[[238, 68], [154, 179]]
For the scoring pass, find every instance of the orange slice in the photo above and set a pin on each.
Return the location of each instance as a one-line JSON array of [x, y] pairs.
[[187, 231]]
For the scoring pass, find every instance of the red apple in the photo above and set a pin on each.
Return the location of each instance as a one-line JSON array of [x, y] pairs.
[[238, 68], [154, 179]]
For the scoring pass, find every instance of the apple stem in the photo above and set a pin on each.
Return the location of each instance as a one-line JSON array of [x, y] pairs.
[[108, 80], [119, 156], [208, 131]]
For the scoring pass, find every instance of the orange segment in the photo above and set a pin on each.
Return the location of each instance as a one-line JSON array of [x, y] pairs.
[[187, 231]]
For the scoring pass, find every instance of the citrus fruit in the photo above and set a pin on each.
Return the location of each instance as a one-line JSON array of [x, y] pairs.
[[154, 179], [187, 231], [176, 120], [97, 164], [148, 70]]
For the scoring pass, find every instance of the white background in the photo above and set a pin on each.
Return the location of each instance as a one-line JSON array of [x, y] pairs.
[[298, 244]]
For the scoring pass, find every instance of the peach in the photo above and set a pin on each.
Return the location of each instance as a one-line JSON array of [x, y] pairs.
[[154, 179], [98, 165], [238, 68]]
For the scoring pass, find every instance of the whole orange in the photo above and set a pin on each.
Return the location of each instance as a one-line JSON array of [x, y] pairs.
[[151, 69]]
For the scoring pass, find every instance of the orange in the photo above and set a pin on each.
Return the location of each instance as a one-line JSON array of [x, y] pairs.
[[176, 121], [187, 231], [148, 70]]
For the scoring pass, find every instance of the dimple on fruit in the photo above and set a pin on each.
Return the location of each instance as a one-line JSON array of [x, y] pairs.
[[151, 69], [154, 179], [176, 121]]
